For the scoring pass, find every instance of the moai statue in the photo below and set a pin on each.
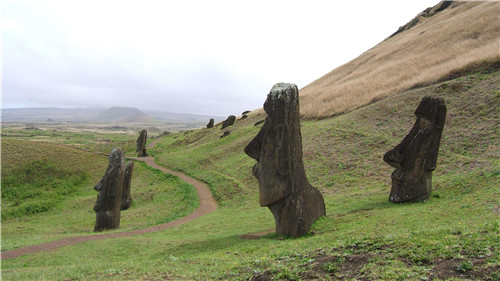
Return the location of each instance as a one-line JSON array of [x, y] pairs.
[[416, 156], [210, 123], [127, 181], [141, 144], [283, 185], [228, 122], [109, 199]]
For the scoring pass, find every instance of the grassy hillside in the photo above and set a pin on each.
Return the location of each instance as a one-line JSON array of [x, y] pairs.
[[453, 234], [439, 42], [47, 194], [86, 139]]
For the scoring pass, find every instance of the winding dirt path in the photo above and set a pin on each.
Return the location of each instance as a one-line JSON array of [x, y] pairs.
[[207, 205]]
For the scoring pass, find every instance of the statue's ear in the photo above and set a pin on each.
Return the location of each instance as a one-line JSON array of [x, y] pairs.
[[431, 162], [441, 114], [282, 148]]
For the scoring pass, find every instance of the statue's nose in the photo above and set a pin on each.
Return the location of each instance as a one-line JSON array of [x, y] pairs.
[[393, 158]]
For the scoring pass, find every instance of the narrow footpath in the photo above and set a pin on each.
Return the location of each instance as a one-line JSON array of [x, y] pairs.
[[207, 205]]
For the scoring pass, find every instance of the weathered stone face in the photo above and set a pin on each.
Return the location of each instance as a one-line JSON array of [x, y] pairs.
[[141, 144], [283, 185], [127, 182], [108, 205], [228, 122], [210, 123], [416, 156]]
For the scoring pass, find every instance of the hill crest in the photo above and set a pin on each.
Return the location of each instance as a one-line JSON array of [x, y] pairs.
[[425, 50]]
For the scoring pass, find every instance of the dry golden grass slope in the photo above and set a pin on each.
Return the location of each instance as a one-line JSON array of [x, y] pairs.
[[461, 35]]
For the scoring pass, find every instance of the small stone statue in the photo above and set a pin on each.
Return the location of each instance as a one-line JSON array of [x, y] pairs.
[[225, 134], [108, 205], [141, 144], [127, 181], [416, 156], [210, 123], [283, 185], [228, 122]]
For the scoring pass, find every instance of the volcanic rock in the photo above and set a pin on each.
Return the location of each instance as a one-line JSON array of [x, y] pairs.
[[228, 122], [127, 181], [283, 185], [108, 204], [141, 144], [416, 156], [210, 123]]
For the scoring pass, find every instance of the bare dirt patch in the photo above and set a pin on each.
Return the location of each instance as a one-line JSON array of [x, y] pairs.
[[348, 263]]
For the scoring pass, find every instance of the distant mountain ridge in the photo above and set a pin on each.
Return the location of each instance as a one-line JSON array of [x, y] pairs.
[[99, 115], [123, 114]]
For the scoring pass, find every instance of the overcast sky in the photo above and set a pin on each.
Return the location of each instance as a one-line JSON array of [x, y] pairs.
[[206, 57]]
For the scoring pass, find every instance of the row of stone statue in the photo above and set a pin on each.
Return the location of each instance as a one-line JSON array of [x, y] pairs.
[[283, 185], [230, 120]]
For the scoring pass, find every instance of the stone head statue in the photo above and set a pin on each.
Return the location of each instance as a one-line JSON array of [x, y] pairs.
[[127, 183], [283, 185], [416, 156], [141, 144], [108, 204]]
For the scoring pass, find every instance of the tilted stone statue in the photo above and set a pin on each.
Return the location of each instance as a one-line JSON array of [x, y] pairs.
[[416, 156], [127, 181], [108, 205], [225, 134], [141, 144], [210, 123], [283, 185], [228, 122]]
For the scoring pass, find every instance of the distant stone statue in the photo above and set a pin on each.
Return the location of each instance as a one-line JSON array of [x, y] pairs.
[[283, 185], [416, 156], [108, 205], [210, 123], [127, 181], [225, 134], [141, 144], [228, 122]]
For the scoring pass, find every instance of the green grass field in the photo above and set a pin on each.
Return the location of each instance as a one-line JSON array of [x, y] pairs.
[[452, 235], [53, 198], [80, 138]]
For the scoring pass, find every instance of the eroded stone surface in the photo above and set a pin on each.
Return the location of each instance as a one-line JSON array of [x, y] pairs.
[[283, 185], [108, 205], [141, 144], [416, 156], [127, 182]]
